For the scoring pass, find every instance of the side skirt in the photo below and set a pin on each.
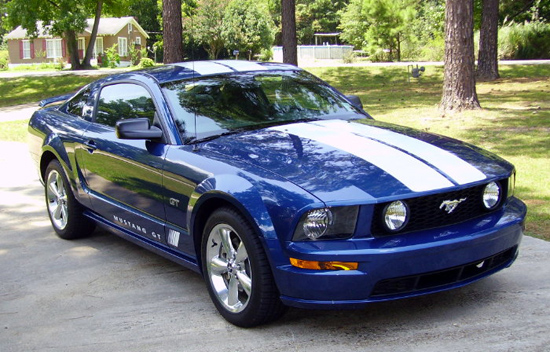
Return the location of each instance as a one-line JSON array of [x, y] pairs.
[[153, 246]]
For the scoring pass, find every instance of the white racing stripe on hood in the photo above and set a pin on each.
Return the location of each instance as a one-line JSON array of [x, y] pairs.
[[450, 164], [413, 173]]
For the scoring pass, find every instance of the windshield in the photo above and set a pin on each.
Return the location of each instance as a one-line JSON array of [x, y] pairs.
[[218, 105]]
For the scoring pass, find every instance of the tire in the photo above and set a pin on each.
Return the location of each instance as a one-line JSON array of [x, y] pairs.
[[237, 272], [66, 214]]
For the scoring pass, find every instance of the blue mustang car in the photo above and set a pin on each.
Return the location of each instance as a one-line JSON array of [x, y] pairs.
[[274, 186]]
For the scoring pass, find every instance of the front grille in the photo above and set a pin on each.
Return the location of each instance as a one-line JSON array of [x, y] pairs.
[[435, 279], [426, 212]]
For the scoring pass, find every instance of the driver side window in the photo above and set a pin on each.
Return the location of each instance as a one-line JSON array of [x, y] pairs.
[[124, 101]]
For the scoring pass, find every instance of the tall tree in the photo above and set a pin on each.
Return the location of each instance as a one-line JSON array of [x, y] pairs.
[[487, 67], [248, 27], [208, 26], [459, 87], [172, 31], [288, 27]]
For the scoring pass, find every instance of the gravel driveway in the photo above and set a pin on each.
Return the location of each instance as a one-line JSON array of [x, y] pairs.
[[105, 294]]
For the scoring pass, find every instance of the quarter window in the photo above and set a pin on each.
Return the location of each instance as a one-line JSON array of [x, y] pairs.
[[124, 101], [76, 105]]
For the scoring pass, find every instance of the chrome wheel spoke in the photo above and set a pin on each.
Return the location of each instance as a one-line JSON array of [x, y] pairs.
[[245, 281], [218, 266], [241, 254], [233, 294], [225, 235]]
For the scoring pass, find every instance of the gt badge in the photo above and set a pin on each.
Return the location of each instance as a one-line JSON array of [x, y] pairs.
[[451, 205]]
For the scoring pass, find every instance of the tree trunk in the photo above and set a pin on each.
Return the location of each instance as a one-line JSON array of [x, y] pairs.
[[90, 48], [487, 66], [459, 86], [288, 29], [72, 46], [172, 31]]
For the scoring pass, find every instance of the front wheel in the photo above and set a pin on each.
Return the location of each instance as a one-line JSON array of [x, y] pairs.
[[64, 210], [237, 272]]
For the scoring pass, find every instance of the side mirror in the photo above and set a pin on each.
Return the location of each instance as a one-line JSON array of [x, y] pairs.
[[355, 101], [138, 128]]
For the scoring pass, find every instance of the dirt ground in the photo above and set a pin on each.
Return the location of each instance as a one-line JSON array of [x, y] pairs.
[[105, 294]]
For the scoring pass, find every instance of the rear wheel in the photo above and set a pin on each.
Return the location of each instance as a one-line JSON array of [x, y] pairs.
[[64, 211], [237, 273]]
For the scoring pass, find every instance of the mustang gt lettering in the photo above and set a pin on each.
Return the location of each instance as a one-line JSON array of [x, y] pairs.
[[275, 187]]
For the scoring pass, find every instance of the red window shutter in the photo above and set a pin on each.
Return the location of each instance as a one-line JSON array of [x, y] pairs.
[[20, 49], [32, 49], [63, 48], [44, 47]]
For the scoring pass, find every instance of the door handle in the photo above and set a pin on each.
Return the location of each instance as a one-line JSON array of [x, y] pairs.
[[90, 146]]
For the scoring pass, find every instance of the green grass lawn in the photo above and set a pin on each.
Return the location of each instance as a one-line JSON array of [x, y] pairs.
[[514, 121], [21, 90]]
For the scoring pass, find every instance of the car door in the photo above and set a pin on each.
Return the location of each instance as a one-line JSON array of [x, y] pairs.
[[124, 177]]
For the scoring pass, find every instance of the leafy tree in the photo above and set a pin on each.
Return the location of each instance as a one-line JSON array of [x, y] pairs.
[[290, 48], [248, 27], [459, 90], [208, 25], [520, 11], [354, 24], [384, 23], [317, 16]]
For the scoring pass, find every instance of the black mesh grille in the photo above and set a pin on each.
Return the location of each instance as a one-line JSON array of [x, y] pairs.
[[431, 280], [427, 212]]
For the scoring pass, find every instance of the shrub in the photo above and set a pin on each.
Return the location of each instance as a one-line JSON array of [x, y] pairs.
[[3, 64], [349, 57], [112, 56], [524, 41], [146, 62]]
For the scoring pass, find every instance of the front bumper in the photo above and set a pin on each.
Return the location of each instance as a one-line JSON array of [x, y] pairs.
[[407, 265]]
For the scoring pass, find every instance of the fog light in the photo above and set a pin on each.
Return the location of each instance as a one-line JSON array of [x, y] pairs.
[[491, 195], [315, 265], [396, 216]]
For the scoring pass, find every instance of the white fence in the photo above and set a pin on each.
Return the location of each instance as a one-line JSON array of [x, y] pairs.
[[314, 52]]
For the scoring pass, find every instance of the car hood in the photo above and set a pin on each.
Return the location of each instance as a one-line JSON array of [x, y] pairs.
[[352, 161]]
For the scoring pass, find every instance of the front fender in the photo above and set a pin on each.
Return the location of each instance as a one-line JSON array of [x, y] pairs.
[[252, 199]]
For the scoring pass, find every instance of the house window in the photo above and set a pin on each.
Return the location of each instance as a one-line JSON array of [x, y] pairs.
[[122, 46], [26, 49], [138, 40], [98, 46], [53, 48], [130, 27], [81, 43]]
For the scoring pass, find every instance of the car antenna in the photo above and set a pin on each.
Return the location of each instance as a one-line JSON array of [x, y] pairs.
[[195, 145]]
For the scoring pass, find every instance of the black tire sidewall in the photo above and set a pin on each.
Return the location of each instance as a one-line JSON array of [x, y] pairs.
[[77, 225], [262, 280]]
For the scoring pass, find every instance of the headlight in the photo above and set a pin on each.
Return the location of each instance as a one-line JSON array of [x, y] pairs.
[[396, 216], [491, 195], [327, 223]]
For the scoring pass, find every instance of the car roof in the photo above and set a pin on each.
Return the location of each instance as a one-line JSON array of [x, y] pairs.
[[192, 69]]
